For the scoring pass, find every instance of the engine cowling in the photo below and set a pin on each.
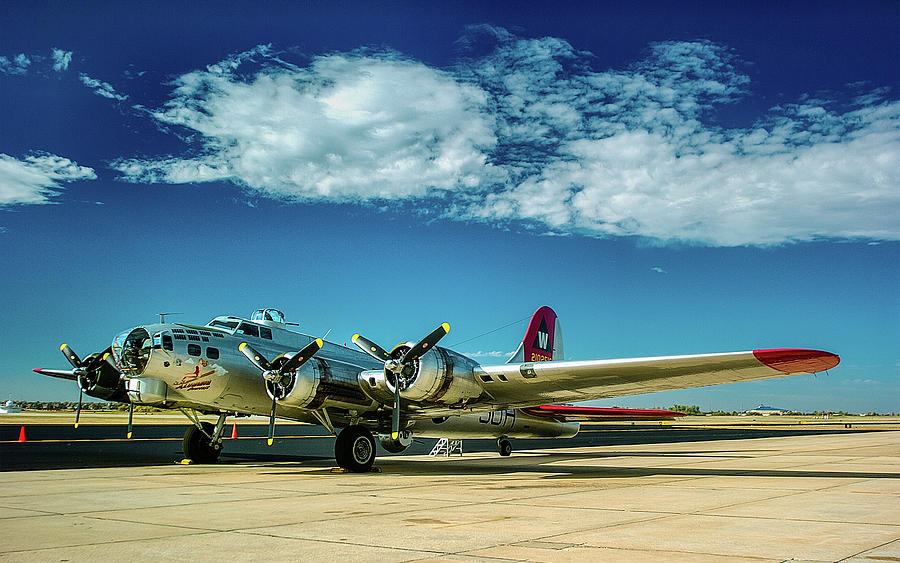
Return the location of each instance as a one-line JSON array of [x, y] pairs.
[[439, 376], [318, 384]]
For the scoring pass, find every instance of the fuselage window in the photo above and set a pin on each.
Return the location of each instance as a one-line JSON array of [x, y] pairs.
[[194, 349], [265, 332], [248, 329], [167, 342], [212, 353]]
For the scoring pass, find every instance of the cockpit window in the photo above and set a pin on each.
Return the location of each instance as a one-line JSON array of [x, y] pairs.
[[227, 325], [248, 329]]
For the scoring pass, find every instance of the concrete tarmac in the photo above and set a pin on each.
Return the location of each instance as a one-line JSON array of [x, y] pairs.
[[826, 497]]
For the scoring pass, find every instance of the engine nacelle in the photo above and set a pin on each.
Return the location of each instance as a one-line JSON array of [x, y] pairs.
[[105, 383], [440, 376], [319, 383]]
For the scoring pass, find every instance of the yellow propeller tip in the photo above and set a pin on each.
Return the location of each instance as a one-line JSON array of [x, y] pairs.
[[128, 436], [395, 435], [63, 347], [355, 337], [320, 342], [269, 441], [76, 425], [446, 327], [241, 347]]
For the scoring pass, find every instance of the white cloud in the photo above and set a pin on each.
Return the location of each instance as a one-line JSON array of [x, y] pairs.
[[37, 178], [101, 88], [658, 270], [61, 59], [15, 65], [529, 132], [347, 127]]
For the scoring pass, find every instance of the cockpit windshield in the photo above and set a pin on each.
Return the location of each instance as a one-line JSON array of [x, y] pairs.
[[131, 350]]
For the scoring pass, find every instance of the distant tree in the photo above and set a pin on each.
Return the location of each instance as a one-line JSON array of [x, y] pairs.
[[689, 410]]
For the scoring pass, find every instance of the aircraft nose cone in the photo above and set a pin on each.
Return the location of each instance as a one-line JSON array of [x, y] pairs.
[[797, 360]]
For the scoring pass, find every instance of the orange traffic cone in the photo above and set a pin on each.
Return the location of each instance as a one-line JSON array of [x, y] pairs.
[[234, 431], [22, 434]]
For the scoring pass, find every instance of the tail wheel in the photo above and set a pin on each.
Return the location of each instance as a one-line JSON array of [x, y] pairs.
[[504, 447], [197, 445], [354, 449]]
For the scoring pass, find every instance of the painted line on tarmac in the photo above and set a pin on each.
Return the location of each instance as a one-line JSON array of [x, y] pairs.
[[86, 440]]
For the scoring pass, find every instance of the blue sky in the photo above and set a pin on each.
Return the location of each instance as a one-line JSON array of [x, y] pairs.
[[670, 177]]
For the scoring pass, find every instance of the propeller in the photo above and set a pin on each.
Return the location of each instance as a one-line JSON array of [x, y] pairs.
[[274, 372], [86, 371], [403, 367]]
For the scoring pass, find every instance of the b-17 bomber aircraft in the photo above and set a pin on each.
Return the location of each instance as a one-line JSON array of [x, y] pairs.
[[258, 366]]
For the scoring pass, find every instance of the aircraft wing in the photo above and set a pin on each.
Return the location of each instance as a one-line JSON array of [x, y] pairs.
[[539, 383], [60, 373], [568, 413]]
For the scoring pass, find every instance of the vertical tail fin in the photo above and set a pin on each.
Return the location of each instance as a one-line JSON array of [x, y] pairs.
[[543, 340]]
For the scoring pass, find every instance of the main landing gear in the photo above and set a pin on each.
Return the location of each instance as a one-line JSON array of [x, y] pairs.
[[354, 449], [203, 441], [504, 447]]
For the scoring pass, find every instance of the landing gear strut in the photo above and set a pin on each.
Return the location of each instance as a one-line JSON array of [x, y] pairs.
[[354, 449], [504, 447]]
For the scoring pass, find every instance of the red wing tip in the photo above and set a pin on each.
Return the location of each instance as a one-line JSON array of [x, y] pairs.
[[792, 360]]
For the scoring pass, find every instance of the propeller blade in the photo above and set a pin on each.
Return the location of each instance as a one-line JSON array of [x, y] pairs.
[[255, 357], [78, 409], [130, 420], [300, 357], [395, 415], [272, 422], [371, 348], [70, 355], [425, 344]]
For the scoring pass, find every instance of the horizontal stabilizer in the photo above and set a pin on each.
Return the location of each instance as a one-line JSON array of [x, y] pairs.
[[588, 414]]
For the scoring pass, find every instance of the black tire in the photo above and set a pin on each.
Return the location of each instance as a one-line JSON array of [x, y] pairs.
[[504, 447], [197, 445], [354, 449]]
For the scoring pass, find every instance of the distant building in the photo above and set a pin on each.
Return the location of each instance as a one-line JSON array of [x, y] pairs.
[[10, 407], [763, 410]]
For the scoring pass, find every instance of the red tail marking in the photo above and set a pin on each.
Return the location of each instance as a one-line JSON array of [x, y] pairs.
[[538, 341]]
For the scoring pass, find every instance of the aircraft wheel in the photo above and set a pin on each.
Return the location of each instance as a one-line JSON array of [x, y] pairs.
[[354, 449], [504, 447], [197, 446]]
